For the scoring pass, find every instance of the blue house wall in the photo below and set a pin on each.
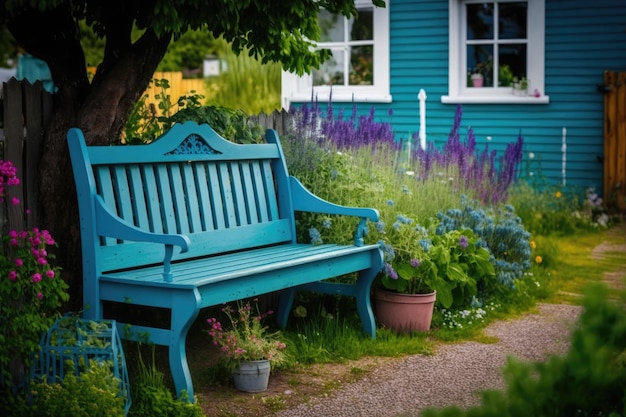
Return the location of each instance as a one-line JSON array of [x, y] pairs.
[[582, 40]]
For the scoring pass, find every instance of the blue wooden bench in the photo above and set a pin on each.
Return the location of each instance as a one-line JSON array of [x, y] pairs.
[[192, 220]]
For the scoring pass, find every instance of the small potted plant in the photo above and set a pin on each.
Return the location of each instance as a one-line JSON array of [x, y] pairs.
[[248, 348], [477, 79], [423, 267], [520, 86]]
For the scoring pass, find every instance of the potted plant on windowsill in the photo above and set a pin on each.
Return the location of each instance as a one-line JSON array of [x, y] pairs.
[[249, 349], [477, 79], [520, 86], [420, 262]]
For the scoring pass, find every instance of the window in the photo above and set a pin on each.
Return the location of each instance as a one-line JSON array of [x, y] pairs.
[[496, 52], [359, 67]]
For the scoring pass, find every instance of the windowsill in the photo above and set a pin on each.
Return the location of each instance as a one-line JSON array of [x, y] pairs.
[[504, 99], [323, 97]]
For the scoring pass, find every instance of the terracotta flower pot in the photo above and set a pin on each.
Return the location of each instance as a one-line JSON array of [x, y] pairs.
[[404, 313]]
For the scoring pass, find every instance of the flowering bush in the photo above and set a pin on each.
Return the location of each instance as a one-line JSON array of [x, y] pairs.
[[419, 261], [499, 229], [246, 339], [31, 291]]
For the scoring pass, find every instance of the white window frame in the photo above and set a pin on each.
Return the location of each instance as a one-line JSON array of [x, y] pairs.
[[459, 93], [301, 89]]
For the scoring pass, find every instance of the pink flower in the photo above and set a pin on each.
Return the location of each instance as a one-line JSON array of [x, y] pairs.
[[15, 201], [39, 295], [42, 261], [19, 262], [50, 273], [36, 277], [12, 275]]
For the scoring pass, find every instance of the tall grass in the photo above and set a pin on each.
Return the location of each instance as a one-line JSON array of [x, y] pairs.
[[245, 83]]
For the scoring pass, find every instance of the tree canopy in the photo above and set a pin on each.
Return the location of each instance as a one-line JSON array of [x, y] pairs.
[[136, 35]]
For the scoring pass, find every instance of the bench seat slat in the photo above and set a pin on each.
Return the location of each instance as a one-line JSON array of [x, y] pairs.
[[224, 267]]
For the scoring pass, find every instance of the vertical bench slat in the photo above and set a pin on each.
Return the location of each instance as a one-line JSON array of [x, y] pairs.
[[250, 197], [219, 222], [259, 192], [165, 198], [138, 196], [236, 182], [228, 205], [270, 190], [205, 211], [153, 208], [191, 192], [122, 194], [104, 185], [178, 194]]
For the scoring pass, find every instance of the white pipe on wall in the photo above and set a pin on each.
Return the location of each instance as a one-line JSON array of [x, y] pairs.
[[422, 99]]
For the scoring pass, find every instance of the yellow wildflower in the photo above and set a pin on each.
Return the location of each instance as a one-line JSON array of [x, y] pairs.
[[533, 245], [538, 259], [558, 194]]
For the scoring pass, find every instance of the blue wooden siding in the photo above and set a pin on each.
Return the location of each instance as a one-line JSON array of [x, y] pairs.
[[583, 39]]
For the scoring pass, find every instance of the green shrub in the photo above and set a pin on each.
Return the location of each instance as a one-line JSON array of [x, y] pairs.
[[153, 398], [92, 393]]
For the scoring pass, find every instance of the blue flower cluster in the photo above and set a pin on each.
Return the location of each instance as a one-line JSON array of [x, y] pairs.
[[316, 237], [500, 231]]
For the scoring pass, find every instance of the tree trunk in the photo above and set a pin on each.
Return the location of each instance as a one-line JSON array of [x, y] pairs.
[[101, 114]]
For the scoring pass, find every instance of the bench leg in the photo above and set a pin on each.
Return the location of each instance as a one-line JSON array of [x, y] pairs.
[[183, 315], [285, 302], [364, 301]]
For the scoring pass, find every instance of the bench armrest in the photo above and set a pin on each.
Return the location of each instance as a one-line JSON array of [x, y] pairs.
[[304, 200], [110, 224]]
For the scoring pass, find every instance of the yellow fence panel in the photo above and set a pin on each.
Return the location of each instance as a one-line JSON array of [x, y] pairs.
[[179, 87]]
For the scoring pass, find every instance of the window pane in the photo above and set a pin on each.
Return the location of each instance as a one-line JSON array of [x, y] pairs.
[[362, 28], [480, 61], [331, 27], [515, 58], [331, 72], [362, 65], [480, 21], [512, 20]]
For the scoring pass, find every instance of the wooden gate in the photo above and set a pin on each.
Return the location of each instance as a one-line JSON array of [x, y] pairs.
[[615, 139]]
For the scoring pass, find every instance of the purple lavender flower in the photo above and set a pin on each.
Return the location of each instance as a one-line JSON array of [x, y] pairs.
[[415, 263], [463, 242]]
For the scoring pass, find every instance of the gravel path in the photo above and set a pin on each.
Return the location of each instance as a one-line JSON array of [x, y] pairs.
[[454, 375]]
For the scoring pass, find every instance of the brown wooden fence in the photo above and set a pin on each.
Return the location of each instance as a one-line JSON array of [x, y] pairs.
[[26, 110], [615, 139]]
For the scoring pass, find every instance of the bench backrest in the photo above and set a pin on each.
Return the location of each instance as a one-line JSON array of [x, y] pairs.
[[223, 196]]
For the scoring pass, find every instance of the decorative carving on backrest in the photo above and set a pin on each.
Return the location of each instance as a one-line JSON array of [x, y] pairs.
[[193, 145]]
